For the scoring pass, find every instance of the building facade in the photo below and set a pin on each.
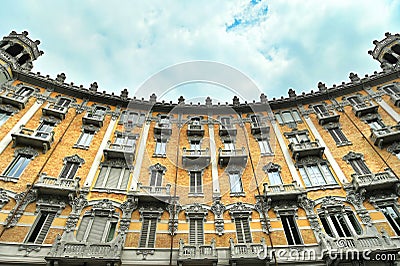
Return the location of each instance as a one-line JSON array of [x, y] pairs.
[[92, 178]]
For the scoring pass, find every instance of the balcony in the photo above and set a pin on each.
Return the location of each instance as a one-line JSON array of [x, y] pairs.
[[248, 253], [259, 128], [93, 119], [384, 136], [236, 157], [33, 138], [283, 191], [327, 117], [196, 158], [83, 253], [227, 130], [375, 182], [395, 98], [197, 254], [55, 110], [306, 148], [57, 186], [164, 129], [195, 130], [362, 109], [119, 151], [14, 99], [153, 193]]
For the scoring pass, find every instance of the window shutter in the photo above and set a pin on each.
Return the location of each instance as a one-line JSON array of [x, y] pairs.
[[239, 230], [192, 231], [97, 229], [101, 177], [45, 227], [153, 178], [125, 178], [246, 229], [200, 233], [198, 184], [113, 177], [143, 236], [152, 233], [192, 182], [158, 178], [82, 228]]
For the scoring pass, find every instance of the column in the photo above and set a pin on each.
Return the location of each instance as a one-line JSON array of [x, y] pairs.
[[214, 168]]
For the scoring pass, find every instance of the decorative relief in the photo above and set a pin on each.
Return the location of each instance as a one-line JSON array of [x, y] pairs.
[[74, 159], [240, 210], [4, 199], [173, 210], [22, 199], [218, 209]]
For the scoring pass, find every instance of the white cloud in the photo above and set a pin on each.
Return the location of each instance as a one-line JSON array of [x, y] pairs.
[[120, 44]]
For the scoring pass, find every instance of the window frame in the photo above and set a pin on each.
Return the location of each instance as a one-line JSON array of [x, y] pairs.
[[121, 186], [26, 159], [4, 116], [306, 174], [338, 136], [237, 184], [49, 215], [241, 236], [197, 189], [160, 149], [111, 222], [85, 145], [339, 222], [293, 228]]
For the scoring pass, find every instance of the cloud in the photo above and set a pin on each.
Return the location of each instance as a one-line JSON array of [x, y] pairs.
[[278, 44]]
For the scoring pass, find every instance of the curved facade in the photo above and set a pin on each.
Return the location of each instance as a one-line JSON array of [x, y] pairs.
[[91, 178]]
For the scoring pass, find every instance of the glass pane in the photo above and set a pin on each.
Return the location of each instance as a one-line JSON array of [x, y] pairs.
[[304, 175], [236, 183], [328, 174], [296, 115], [274, 178], [287, 117]]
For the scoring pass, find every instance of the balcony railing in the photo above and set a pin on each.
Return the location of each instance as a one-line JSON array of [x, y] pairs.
[[377, 182], [163, 129], [283, 191], [93, 119], [395, 98], [197, 254], [307, 148], [71, 251], [55, 110], [248, 251], [227, 130], [384, 136], [120, 151], [153, 193], [195, 130], [259, 128], [198, 158], [233, 157], [33, 138], [57, 186], [14, 99], [327, 117], [362, 109]]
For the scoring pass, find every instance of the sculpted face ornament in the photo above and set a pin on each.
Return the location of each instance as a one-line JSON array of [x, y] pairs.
[[223, 134]]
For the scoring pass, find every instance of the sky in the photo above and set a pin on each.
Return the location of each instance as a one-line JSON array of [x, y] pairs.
[[278, 44]]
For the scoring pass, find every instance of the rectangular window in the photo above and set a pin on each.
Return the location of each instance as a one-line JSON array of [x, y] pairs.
[[148, 233], [338, 135], [24, 91], [125, 142], [226, 121], [291, 230], [376, 124], [156, 178], [229, 145], [316, 175], [320, 109], [355, 100], [96, 229], [161, 147], [69, 170], [63, 102], [274, 178], [393, 217], [99, 111], [196, 233], [298, 138], [236, 183], [243, 230], [17, 166], [3, 117], [359, 166], [255, 120], [196, 182], [129, 119], [195, 145], [113, 177], [391, 89], [288, 117], [44, 130], [85, 139], [41, 227], [265, 148], [340, 224]]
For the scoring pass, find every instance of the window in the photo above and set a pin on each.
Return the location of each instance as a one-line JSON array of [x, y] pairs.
[[44, 129], [156, 178], [196, 233], [291, 231], [126, 142], [196, 182], [235, 182], [376, 124], [113, 177], [41, 227], [340, 223], [97, 228], [392, 215], [3, 117], [164, 122], [69, 170], [99, 111], [265, 148], [392, 89], [338, 136], [161, 147], [226, 122], [320, 109], [288, 117], [85, 139], [274, 177], [359, 166], [24, 92], [17, 166], [297, 138], [129, 118], [243, 230], [355, 100], [63, 102], [195, 145], [148, 233], [255, 120], [316, 175]]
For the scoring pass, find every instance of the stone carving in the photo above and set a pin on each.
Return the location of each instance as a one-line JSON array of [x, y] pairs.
[[353, 156], [71, 223], [272, 167], [240, 210], [356, 198], [218, 209], [22, 199], [50, 204], [173, 210], [93, 87], [74, 159], [4, 199], [26, 151], [61, 77], [124, 94]]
